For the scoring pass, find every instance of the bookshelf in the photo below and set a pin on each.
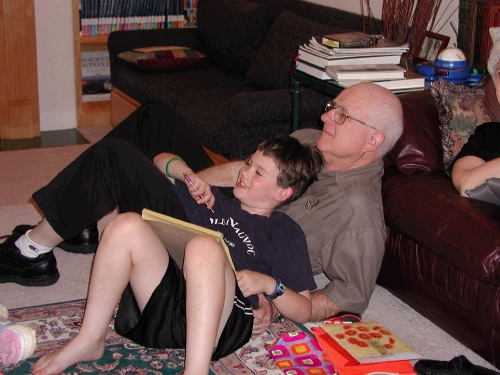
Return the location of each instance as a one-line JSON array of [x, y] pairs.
[[88, 113], [153, 14]]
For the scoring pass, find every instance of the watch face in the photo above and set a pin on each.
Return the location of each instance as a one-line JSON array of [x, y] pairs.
[[281, 288]]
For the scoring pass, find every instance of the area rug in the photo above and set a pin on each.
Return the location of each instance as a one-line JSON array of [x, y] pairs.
[[56, 324]]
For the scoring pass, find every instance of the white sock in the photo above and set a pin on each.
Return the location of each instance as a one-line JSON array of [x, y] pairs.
[[30, 249]]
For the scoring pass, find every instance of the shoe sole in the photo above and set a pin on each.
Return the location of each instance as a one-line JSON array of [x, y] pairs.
[[77, 249], [46, 281]]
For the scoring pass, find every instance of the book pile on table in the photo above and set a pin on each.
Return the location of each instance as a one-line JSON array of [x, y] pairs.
[[353, 57]]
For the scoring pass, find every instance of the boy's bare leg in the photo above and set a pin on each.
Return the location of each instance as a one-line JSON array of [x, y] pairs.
[[210, 285], [129, 251]]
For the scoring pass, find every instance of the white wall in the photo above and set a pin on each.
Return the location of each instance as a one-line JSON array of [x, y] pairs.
[[54, 30], [56, 75]]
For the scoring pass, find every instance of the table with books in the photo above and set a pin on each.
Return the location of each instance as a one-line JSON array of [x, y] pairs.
[[330, 63]]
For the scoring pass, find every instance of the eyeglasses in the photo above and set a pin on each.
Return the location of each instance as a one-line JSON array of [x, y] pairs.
[[341, 114]]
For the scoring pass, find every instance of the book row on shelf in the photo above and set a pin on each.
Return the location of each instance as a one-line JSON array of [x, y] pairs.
[[373, 58], [101, 17], [475, 19]]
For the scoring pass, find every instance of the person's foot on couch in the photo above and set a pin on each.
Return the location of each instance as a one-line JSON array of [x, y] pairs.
[[16, 268], [457, 366]]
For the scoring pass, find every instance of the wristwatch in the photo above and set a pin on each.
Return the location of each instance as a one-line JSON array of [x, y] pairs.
[[278, 291]]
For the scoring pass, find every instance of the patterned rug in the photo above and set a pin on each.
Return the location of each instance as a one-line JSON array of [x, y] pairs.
[[56, 324]]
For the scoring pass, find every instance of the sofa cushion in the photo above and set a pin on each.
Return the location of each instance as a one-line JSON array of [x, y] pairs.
[[461, 109], [230, 31], [271, 66], [419, 148], [162, 58], [427, 209]]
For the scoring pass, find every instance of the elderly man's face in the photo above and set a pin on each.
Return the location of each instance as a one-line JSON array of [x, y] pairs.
[[349, 139]]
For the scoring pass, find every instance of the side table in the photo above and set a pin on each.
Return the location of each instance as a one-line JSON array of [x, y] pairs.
[[298, 79]]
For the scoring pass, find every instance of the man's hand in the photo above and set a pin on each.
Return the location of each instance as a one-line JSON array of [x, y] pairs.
[[262, 316], [223, 174]]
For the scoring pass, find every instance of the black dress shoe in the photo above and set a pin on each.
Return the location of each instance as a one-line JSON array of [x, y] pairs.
[[16, 268], [85, 242], [457, 366]]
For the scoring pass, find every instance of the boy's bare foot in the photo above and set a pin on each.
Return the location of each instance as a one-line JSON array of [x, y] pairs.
[[75, 351]]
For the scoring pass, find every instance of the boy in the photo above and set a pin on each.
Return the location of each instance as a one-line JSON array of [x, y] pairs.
[[203, 307]]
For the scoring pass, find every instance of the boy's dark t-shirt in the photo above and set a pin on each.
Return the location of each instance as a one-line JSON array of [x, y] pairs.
[[274, 245]]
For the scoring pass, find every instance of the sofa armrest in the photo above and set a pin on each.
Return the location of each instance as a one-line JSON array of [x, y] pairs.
[[119, 41], [259, 115]]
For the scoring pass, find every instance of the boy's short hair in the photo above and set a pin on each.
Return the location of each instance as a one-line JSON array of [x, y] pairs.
[[298, 165]]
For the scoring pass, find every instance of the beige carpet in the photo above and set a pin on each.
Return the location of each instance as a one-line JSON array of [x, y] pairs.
[[22, 172]]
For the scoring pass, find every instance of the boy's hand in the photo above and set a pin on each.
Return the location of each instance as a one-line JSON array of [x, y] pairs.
[[262, 316], [251, 282], [200, 190]]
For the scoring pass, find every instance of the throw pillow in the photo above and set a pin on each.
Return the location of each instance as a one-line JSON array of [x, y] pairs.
[[270, 69], [461, 109], [162, 58], [230, 31]]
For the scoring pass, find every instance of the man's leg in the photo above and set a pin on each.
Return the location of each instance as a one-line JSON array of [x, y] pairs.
[[155, 128], [129, 251], [109, 174], [210, 286]]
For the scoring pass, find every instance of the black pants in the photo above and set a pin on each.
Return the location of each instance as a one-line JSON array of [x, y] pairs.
[[118, 172]]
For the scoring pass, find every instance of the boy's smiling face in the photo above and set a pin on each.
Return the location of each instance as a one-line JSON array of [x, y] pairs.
[[256, 187]]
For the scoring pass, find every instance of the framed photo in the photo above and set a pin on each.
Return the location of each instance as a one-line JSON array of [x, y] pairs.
[[430, 45]]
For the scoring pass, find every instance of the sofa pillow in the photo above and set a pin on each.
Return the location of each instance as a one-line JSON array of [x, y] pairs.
[[162, 58], [419, 147], [491, 101], [461, 109], [271, 66], [230, 31]]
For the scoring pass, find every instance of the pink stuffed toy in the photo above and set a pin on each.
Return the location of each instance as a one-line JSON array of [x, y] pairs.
[[17, 341]]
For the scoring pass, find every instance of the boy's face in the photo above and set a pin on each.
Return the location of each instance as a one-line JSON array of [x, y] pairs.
[[257, 187]]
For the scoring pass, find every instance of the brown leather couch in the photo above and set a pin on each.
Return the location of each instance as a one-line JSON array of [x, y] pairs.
[[443, 250]]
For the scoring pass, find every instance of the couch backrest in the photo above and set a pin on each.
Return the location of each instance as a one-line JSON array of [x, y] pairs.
[[259, 39], [419, 148], [229, 32]]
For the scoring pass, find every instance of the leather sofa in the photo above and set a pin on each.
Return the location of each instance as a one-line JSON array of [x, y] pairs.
[[240, 94], [443, 250]]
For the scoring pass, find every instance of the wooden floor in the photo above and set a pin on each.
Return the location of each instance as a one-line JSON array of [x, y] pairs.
[[53, 138]]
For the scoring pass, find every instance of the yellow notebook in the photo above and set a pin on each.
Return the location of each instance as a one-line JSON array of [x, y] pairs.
[[175, 234]]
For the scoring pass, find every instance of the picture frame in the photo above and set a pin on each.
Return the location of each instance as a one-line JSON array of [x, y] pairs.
[[430, 45]]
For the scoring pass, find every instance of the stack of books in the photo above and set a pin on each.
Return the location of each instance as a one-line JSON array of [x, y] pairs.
[[350, 58]]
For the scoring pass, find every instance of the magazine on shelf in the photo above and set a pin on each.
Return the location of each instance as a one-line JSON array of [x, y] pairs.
[[96, 76], [411, 81], [312, 70], [322, 60], [347, 40], [377, 49], [366, 72]]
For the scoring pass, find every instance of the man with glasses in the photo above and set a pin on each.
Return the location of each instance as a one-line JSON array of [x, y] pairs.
[[341, 214]]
